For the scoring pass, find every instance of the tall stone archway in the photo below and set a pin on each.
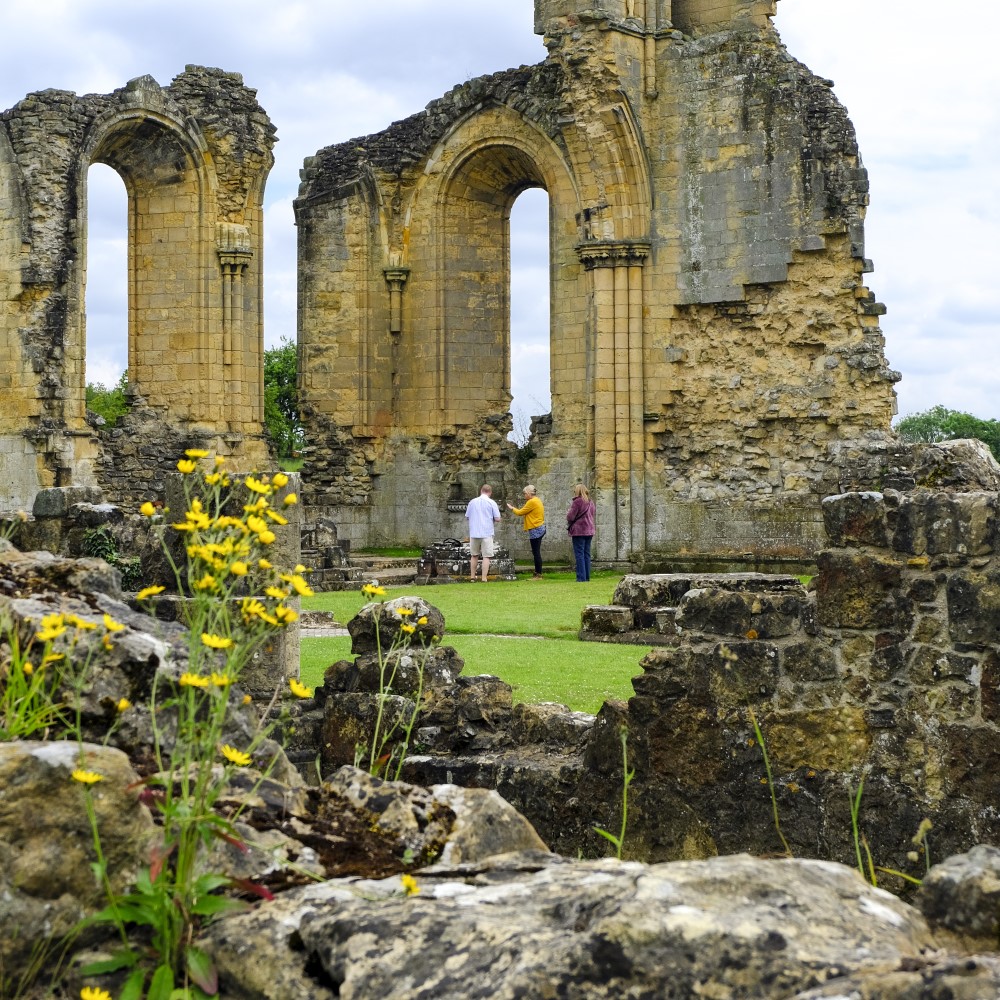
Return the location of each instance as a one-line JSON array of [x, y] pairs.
[[194, 157], [715, 352]]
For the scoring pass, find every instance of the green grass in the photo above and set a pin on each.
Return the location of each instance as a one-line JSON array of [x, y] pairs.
[[523, 632]]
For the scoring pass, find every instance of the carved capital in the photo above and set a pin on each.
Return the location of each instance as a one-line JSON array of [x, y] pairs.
[[612, 253]]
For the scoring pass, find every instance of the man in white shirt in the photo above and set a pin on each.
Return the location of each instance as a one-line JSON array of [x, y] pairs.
[[482, 514]]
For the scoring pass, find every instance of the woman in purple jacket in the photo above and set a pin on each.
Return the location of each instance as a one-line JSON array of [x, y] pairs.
[[580, 525]]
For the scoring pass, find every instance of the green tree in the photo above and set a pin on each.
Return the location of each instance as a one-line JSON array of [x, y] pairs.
[[941, 424], [281, 398], [110, 404]]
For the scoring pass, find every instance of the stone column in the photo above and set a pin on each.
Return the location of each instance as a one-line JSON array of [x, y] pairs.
[[618, 395], [233, 244]]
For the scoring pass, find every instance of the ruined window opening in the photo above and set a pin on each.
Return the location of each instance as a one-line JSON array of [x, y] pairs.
[[106, 292], [529, 312]]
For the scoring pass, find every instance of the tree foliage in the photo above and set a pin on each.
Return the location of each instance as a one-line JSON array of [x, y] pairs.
[[110, 404], [281, 398], [941, 424]]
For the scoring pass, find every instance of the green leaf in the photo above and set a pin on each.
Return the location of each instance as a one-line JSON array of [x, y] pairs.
[[132, 990], [210, 906], [120, 960], [202, 970], [610, 836], [162, 984], [205, 884]]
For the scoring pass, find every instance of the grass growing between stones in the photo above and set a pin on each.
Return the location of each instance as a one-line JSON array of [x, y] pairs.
[[524, 632]]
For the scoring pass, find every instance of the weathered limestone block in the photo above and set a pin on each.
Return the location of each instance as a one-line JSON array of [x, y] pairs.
[[933, 523], [859, 591], [856, 519], [962, 895], [439, 666], [57, 500], [974, 607], [386, 617], [606, 620], [549, 724], [47, 846], [731, 926], [834, 739], [747, 614]]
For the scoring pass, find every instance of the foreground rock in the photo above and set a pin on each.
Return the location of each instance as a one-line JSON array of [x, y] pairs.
[[535, 925]]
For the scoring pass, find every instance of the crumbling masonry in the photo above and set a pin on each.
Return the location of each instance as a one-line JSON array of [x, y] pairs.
[[715, 353], [194, 157]]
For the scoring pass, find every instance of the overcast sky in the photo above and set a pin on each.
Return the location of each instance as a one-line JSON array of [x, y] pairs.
[[921, 82]]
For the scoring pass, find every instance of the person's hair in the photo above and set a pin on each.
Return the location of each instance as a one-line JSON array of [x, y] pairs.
[[486, 488], [581, 491], [531, 489]]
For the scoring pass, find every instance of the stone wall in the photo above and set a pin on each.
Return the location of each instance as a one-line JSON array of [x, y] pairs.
[[193, 157], [712, 338]]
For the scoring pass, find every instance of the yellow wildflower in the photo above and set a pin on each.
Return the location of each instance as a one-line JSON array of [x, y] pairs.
[[196, 453], [263, 564], [278, 593], [106, 641], [186, 466], [193, 680], [403, 612], [207, 582], [52, 658], [213, 478], [86, 777], [257, 486], [299, 689], [285, 615], [299, 585], [373, 590], [279, 479], [276, 517], [422, 620], [93, 993], [409, 884], [290, 500], [80, 623], [149, 592], [256, 524], [147, 509], [247, 699], [216, 641], [238, 757], [266, 537], [220, 680], [123, 704], [27, 668], [408, 629], [111, 625], [238, 569]]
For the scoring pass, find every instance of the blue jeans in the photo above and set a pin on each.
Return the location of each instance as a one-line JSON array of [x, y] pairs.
[[581, 555]]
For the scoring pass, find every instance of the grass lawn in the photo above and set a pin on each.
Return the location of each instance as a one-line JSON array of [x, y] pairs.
[[523, 632]]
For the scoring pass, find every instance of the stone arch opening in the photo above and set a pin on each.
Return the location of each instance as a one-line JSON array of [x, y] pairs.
[[167, 279], [106, 279], [474, 234], [530, 319]]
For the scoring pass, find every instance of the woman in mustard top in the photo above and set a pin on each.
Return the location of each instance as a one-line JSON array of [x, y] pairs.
[[534, 524]]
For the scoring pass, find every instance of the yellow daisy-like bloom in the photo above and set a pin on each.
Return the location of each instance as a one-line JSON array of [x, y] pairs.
[[111, 625], [403, 612], [285, 615], [27, 668], [123, 704], [279, 479], [409, 884], [80, 623], [186, 466], [207, 582], [213, 478], [278, 593], [196, 453], [408, 629], [239, 568], [422, 620], [86, 777], [216, 641], [148, 592], [256, 524], [276, 517], [51, 658], [257, 486], [263, 564], [300, 586], [48, 634], [237, 757], [220, 680], [299, 689], [247, 699], [106, 641], [266, 537], [371, 590], [290, 500], [147, 509], [193, 680], [93, 993]]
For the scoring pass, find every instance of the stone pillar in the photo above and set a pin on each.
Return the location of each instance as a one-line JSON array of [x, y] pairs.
[[395, 278], [618, 395], [233, 244]]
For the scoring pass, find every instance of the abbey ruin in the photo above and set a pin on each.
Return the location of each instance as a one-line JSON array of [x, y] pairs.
[[717, 366]]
